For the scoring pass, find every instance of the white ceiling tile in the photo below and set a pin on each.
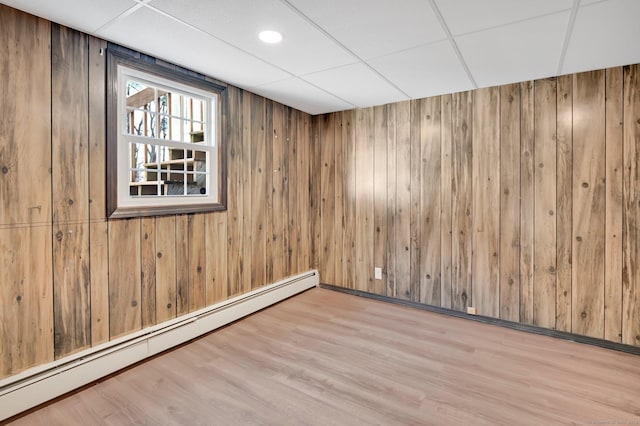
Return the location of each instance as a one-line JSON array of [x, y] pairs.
[[356, 84], [304, 49], [517, 52], [429, 70], [83, 15], [604, 35], [464, 16], [301, 95], [372, 28], [163, 37]]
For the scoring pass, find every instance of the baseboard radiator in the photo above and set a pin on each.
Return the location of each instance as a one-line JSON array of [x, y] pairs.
[[35, 386]]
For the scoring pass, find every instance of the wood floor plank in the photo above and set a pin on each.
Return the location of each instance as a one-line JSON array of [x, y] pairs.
[[324, 357]]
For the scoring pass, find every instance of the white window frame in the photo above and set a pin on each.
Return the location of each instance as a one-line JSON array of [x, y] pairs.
[[120, 202]]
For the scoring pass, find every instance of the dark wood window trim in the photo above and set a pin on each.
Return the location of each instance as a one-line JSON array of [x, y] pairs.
[[120, 56]]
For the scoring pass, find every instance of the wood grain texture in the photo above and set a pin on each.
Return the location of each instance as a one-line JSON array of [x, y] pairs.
[[315, 192], [380, 181], [304, 153], [258, 193], [268, 192], [25, 121], [403, 200], [510, 202], [485, 199], [247, 212], [564, 200], [99, 269], [445, 202], [26, 308], [364, 220], [430, 228], [70, 190], [588, 203], [197, 262], [461, 192], [235, 196], [327, 257], [166, 299], [349, 198], [544, 213], [391, 248], [614, 206], [182, 239], [279, 195], [69, 124], [415, 221], [311, 360], [293, 215], [216, 257], [338, 215], [631, 210], [527, 161], [124, 286], [97, 128], [148, 256]]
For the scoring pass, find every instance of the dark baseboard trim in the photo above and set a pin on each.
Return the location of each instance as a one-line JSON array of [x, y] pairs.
[[606, 344]]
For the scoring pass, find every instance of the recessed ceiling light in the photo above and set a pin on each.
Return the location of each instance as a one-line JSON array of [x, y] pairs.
[[270, 37]]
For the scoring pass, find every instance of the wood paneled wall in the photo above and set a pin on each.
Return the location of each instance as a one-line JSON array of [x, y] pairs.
[[71, 279], [519, 200]]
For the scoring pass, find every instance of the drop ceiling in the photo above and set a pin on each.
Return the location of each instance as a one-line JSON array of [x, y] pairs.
[[343, 54]]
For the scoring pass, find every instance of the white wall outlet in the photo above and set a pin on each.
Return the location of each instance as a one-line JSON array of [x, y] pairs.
[[377, 272], [471, 310]]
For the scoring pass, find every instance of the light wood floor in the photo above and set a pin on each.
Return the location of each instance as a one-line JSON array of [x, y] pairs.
[[325, 358]]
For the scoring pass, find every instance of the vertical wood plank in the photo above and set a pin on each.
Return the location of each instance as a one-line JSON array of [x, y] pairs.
[[544, 256], [364, 199], [349, 197], [461, 191], [338, 215], [124, 286], [25, 102], [166, 268], [614, 206], [98, 228], [99, 267], [217, 267], [445, 202], [258, 192], [380, 196], [147, 270], [26, 311], [403, 200], [293, 225], [510, 202], [197, 262], [326, 135], [631, 214], [279, 195], [247, 212], [391, 201], [485, 199], [430, 201], [182, 264], [70, 164], [269, 246], [564, 226], [303, 152], [415, 168], [315, 192], [526, 200], [588, 204], [235, 193]]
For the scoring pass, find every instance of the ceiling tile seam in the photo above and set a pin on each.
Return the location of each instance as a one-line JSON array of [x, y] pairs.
[[193, 27], [518, 21], [417, 46], [124, 14], [453, 43], [342, 46], [327, 92], [567, 35]]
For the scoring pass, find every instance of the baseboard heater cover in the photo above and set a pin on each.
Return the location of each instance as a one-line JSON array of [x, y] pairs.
[[35, 386]]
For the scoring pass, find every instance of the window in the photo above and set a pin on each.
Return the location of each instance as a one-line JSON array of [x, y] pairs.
[[164, 149]]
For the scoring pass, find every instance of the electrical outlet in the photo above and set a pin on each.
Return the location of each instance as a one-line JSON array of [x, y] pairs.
[[471, 310], [377, 272]]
